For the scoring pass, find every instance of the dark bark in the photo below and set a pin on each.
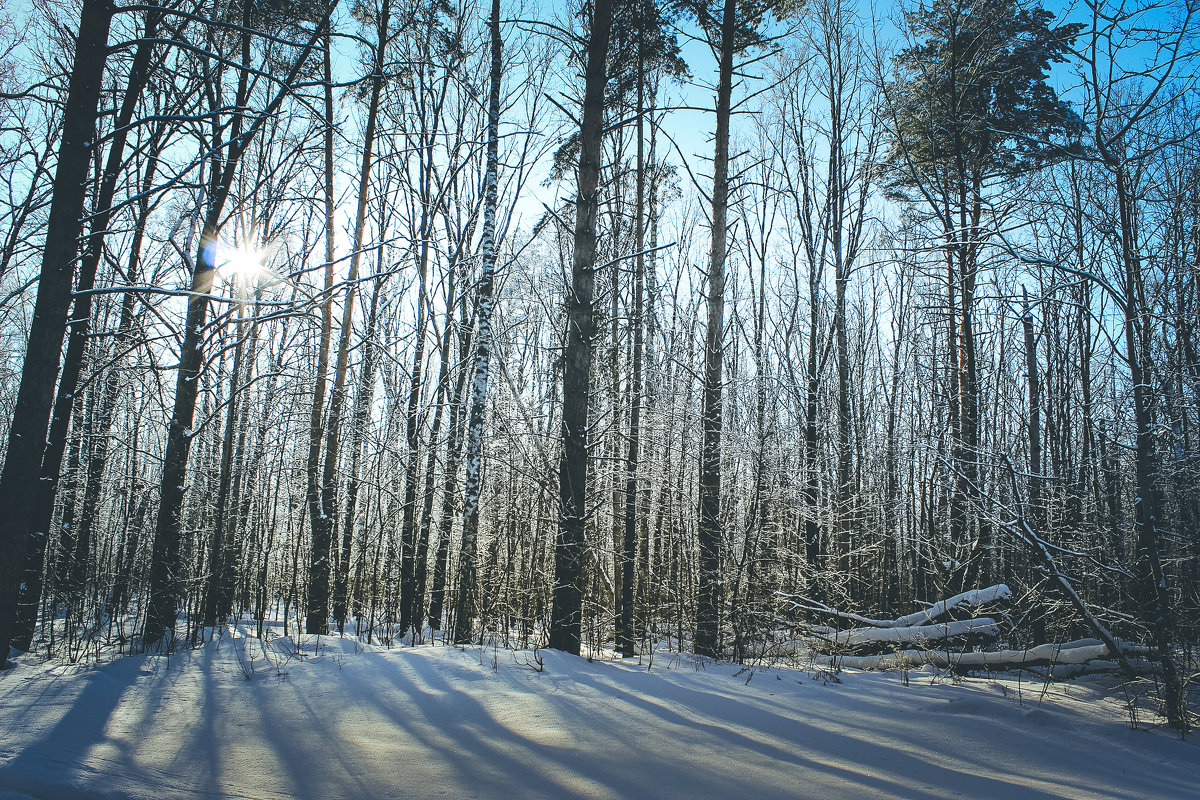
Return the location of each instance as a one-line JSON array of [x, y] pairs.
[[1154, 592], [450, 493], [358, 431], [322, 502], [1035, 412], [39, 373], [313, 469], [218, 593], [710, 600], [411, 601], [626, 640], [566, 616]]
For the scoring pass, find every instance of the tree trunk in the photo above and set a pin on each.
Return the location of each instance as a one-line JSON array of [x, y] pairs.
[[322, 504], [468, 602], [711, 596], [1035, 413], [39, 372], [566, 616], [411, 601], [358, 431], [450, 494], [313, 469], [216, 594], [626, 640], [1154, 593]]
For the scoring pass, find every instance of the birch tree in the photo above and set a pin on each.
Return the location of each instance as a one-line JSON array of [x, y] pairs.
[[467, 608]]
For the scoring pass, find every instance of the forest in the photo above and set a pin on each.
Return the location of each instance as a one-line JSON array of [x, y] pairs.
[[771, 331]]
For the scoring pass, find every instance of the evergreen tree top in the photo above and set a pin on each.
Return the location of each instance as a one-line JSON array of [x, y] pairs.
[[971, 100]]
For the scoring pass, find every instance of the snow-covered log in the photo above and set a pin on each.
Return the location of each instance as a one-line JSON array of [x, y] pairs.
[[1100, 666], [914, 634], [1040, 548], [1077, 652]]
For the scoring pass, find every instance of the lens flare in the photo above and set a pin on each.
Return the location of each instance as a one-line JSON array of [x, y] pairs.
[[241, 263]]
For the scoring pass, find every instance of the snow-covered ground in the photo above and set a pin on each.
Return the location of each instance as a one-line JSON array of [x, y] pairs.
[[233, 720]]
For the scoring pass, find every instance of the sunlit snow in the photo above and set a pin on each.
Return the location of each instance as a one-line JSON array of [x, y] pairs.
[[235, 719]]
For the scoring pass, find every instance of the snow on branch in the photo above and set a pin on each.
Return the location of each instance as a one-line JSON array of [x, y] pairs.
[[969, 599]]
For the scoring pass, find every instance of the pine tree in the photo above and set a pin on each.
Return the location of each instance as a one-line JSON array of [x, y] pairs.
[[566, 617], [970, 110]]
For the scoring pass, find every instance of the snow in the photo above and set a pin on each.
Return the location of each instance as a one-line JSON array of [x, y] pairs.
[[235, 719], [970, 599], [1074, 653], [916, 633]]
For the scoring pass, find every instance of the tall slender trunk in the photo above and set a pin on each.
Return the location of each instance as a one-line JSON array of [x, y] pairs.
[[973, 531], [1034, 424], [363, 402], [70, 558], [844, 524], [313, 470], [442, 399], [450, 493], [131, 529], [813, 552], [957, 510], [165, 556], [215, 605], [468, 601], [234, 574], [1154, 592], [39, 372], [626, 641], [566, 616], [410, 602], [892, 526], [322, 504], [711, 597]]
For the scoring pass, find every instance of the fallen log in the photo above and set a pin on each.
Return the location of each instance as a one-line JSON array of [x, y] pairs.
[[1043, 655], [856, 637]]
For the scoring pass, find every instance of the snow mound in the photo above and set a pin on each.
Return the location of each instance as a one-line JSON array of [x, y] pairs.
[[974, 706]]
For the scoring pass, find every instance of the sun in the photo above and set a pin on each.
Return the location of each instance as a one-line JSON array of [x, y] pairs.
[[243, 264]]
